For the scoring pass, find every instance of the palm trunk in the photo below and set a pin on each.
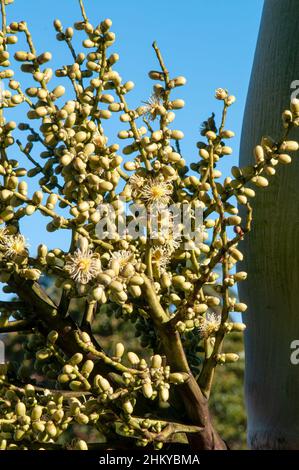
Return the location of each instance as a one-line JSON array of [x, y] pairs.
[[272, 249]]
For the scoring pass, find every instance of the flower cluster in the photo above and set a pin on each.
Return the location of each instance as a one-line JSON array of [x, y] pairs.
[[174, 286]]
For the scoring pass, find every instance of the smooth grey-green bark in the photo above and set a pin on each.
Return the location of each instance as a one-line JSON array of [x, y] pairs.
[[272, 248]]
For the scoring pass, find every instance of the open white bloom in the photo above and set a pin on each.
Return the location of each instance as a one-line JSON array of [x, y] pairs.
[[135, 183], [210, 324], [160, 257], [168, 236], [3, 236], [172, 240], [83, 266], [122, 256], [156, 192], [154, 107], [14, 245]]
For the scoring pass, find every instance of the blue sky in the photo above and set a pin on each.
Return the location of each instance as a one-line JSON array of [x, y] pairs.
[[210, 43]]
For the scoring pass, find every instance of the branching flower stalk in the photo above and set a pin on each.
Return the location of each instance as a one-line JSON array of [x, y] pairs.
[[171, 284]]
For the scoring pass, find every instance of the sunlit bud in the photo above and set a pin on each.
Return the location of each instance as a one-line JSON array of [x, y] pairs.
[[226, 358], [76, 359], [240, 307], [87, 368], [80, 445], [180, 81], [177, 104], [45, 57], [177, 135], [239, 327], [147, 390], [236, 254], [295, 106], [204, 154], [154, 75], [220, 94], [129, 86], [240, 276], [211, 135], [133, 358], [226, 150], [230, 100], [58, 25], [260, 181], [164, 393], [156, 361], [119, 350], [234, 220], [128, 407], [289, 146], [20, 409], [226, 134]]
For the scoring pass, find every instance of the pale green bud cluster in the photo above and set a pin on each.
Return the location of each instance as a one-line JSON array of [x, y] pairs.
[[179, 291]]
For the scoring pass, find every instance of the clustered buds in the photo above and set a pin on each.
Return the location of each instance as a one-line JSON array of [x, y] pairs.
[[173, 286]]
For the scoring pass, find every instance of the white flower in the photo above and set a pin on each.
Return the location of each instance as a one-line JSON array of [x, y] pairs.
[[168, 233], [14, 245], [210, 324], [156, 192], [135, 183], [122, 256], [154, 107], [3, 236], [160, 257], [83, 266]]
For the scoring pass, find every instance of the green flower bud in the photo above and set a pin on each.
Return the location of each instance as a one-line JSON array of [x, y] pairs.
[[156, 361], [103, 383], [240, 276], [51, 429], [116, 286], [85, 337], [154, 75], [36, 413], [43, 354], [177, 378], [164, 393], [284, 158], [82, 418], [133, 358], [87, 368], [64, 378], [97, 293], [236, 254], [128, 407], [76, 359], [200, 308], [38, 426], [52, 337], [259, 154], [289, 146], [234, 220], [76, 386], [177, 104], [239, 327], [119, 350], [20, 409], [19, 434], [58, 416], [240, 307], [177, 135], [260, 181], [80, 445], [135, 291]]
